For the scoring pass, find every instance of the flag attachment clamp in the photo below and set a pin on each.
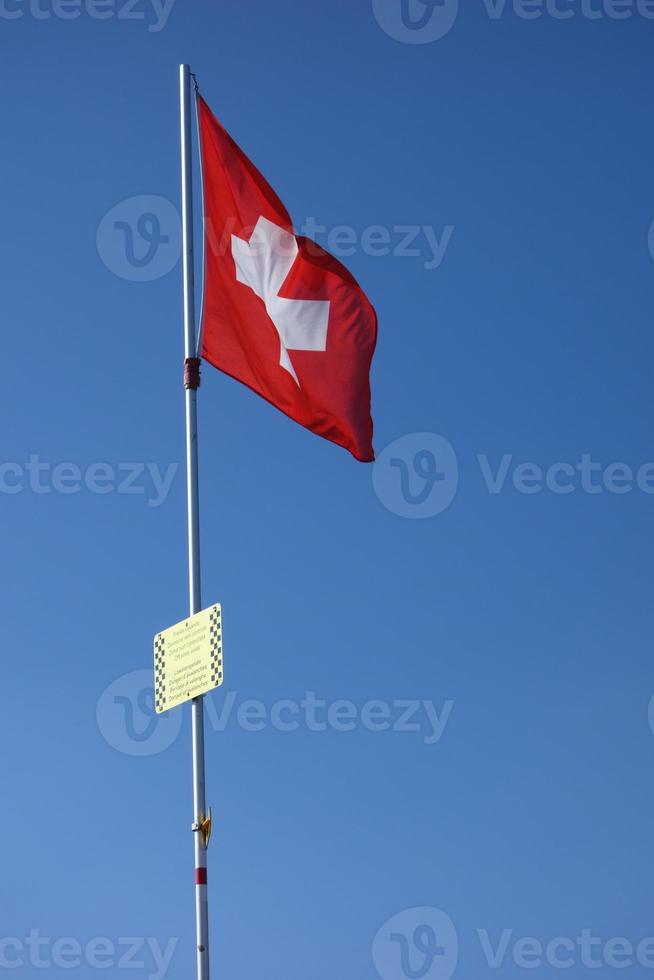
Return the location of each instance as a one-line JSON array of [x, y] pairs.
[[203, 827], [192, 373]]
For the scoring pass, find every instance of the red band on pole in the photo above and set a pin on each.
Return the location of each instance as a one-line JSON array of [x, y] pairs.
[[200, 876]]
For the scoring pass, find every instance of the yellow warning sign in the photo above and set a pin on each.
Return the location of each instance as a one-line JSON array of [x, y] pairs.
[[188, 659]]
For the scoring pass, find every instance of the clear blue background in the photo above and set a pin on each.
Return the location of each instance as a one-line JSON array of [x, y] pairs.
[[532, 613]]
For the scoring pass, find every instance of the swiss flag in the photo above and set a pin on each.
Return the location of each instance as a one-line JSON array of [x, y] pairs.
[[281, 315]]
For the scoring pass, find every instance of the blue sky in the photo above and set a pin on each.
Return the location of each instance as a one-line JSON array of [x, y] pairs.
[[481, 757]]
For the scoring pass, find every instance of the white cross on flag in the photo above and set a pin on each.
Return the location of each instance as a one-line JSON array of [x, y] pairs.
[[281, 314]]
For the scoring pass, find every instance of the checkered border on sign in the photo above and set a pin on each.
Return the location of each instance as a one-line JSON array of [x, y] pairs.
[[216, 640], [160, 696]]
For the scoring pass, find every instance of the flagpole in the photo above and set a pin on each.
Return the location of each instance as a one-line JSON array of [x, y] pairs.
[[201, 827]]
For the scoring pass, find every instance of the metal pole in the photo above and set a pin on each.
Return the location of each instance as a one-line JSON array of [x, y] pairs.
[[197, 705]]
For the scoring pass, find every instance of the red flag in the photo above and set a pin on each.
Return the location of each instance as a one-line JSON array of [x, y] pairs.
[[281, 314]]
